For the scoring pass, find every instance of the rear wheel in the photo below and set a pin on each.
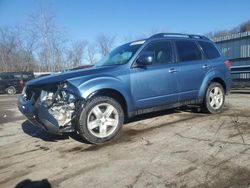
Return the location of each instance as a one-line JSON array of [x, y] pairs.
[[214, 99], [100, 120], [11, 90]]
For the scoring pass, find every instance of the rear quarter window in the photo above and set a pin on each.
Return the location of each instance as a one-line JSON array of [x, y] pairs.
[[209, 49], [188, 51]]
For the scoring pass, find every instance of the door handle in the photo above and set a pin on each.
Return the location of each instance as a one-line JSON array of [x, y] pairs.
[[172, 70], [206, 66]]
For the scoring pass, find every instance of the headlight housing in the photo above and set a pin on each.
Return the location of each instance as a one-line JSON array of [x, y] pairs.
[[46, 97], [43, 96], [24, 92], [61, 95]]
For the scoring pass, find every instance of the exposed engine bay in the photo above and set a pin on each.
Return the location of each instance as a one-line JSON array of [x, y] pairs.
[[55, 106], [60, 104]]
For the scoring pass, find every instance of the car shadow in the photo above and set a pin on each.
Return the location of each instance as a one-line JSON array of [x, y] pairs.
[[34, 184], [39, 133], [240, 91]]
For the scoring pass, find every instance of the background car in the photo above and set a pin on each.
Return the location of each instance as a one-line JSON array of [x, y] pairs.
[[13, 82]]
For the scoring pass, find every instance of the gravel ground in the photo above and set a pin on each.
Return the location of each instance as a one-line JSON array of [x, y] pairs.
[[174, 148]]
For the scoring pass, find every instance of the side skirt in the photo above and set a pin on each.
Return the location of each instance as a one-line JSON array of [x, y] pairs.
[[164, 107]]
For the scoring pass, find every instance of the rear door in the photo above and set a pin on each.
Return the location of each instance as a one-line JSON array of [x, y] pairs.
[[193, 68], [156, 84]]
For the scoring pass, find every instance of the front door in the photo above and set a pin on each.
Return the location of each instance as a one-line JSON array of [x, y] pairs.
[[156, 84]]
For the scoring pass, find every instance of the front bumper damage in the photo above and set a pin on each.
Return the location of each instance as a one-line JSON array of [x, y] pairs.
[[56, 118]]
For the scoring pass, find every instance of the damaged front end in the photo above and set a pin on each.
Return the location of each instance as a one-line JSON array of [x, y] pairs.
[[54, 107]]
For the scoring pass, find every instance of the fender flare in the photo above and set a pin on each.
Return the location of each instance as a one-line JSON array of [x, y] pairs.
[[209, 77], [87, 88]]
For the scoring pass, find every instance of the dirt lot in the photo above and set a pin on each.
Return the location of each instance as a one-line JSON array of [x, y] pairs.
[[176, 148]]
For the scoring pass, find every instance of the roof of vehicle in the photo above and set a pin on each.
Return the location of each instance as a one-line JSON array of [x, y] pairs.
[[21, 72], [178, 35]]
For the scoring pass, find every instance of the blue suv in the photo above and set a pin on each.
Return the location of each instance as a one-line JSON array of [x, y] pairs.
[[164, 71]]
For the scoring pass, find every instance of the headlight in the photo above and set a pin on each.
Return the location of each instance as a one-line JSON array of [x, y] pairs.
[[67, 93], [64, 85], [46, 97], [62, 95], [24, 91], [71, 98], [43, 96]]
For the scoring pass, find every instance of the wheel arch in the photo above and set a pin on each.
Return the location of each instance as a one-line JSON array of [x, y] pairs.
[[207, 81], [220, 81], [112, 93]]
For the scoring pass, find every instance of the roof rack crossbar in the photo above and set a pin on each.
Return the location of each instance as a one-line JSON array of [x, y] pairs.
[[158, 35]]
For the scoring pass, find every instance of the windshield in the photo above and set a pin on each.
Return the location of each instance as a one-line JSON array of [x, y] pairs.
[[120, 55]]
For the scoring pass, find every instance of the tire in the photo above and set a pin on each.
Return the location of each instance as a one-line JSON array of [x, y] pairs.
[[11, 90], [100, 120], [214, 98]]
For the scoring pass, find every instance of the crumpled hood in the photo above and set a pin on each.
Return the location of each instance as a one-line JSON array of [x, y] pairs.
[[56, 78]]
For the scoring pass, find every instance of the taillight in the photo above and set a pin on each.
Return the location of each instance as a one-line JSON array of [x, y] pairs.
[[228, 64], [21, 82]]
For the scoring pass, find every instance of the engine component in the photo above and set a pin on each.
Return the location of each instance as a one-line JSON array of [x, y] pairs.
[[60, 104]]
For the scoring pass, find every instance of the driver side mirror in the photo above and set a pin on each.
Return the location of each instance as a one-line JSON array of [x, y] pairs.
[[145, 59]]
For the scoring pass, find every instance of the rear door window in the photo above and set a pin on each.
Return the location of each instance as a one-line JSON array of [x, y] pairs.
[[188, 51], [209, 49]]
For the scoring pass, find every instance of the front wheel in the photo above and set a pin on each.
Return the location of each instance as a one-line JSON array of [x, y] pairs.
[[100, 120], [214, 99]]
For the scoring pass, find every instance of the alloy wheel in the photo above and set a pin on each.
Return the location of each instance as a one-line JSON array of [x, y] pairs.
[[216, 98], [102, 120]]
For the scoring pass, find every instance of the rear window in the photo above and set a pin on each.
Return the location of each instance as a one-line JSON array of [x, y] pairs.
[[209, 49], [188, 51]]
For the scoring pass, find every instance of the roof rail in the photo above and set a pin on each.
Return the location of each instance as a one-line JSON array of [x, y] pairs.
[[160, 35]]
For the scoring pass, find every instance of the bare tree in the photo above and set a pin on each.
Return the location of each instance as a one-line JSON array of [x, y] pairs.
[[91, 54], [245, 26], [28, 44], [241, 28], [105, 44], [15, 50], [51, 51], [7, 45], [76, 53], [216, 34]]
